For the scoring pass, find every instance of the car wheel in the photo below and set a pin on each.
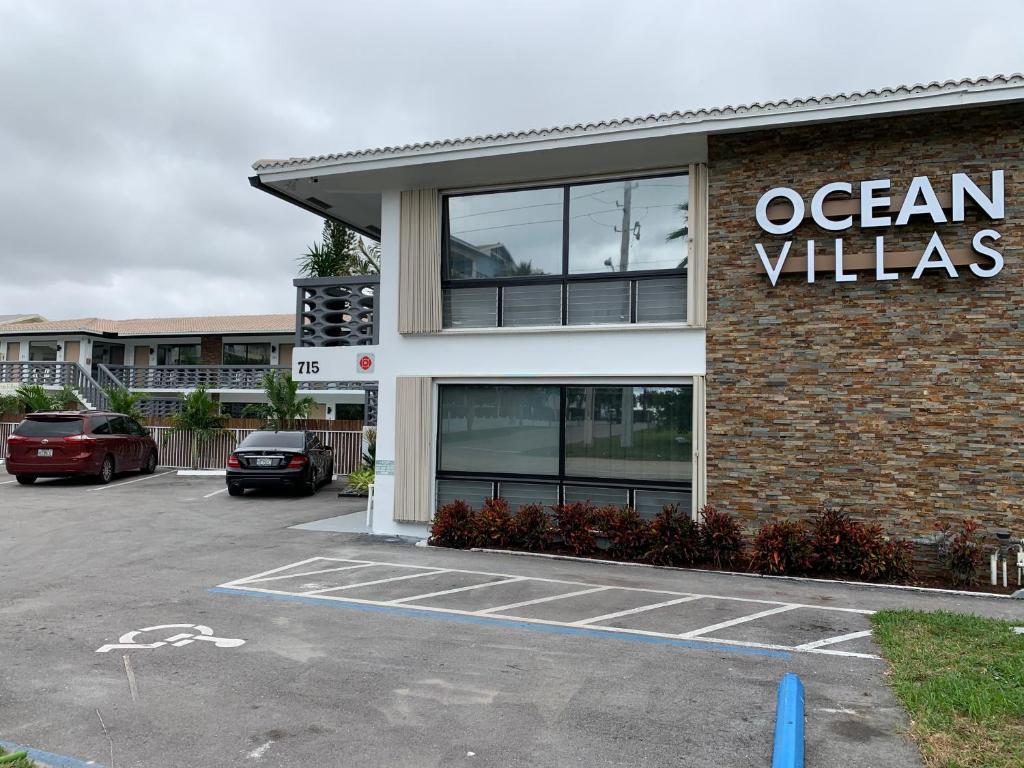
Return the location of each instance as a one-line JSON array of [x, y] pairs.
[[25, 479], [150, 466], [106, 471], [235, 490], [309, 485]]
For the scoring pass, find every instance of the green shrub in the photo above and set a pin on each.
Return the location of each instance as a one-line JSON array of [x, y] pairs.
[[361, 480]]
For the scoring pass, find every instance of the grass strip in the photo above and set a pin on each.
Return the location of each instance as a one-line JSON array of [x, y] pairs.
[[22, 762], [961, 678]]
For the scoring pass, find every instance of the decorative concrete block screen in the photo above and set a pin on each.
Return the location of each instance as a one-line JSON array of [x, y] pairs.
[[336, 311]]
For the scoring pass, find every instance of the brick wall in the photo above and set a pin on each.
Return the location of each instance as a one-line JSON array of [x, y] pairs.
[[211, 350], [901, 401]]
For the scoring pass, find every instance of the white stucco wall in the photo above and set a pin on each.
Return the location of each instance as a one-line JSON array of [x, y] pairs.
[[623, 353]]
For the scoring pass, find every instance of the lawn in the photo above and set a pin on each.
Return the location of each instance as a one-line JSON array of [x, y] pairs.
[[21, 762], [961, 679]]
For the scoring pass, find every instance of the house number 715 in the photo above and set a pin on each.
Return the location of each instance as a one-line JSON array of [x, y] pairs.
[[309, 366]]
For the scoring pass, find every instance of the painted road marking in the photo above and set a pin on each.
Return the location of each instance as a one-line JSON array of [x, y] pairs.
[[221, 490], [740, 620], [632, 611], [457, 589], [308, 573], [375, 581], [49, 758], [256, 586], [129, 482], [511, 606], [8, 482], [199, 632], [834, 640]]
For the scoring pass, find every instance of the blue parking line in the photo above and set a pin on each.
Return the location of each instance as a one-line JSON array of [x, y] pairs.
[[57, 761], [551, 629]]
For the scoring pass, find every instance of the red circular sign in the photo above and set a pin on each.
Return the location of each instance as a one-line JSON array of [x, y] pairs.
[[365, 362]]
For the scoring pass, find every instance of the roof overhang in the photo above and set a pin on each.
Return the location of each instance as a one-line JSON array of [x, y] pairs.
[[347, 187]]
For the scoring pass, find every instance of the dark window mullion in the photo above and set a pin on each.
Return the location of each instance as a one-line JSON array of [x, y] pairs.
[[561, 432], [565, 255], [500, 310], [632, 301]]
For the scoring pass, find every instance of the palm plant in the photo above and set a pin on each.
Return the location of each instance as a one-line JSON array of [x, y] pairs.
[[284, 407], [200, 418], [125, 401], [32, 398], [320, 261], [683, 231]]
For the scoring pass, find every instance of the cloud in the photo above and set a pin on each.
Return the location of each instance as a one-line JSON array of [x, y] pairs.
[[128, 128]]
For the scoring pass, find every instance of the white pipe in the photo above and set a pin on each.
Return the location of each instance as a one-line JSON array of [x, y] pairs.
[[1004, 572], [993, 561]]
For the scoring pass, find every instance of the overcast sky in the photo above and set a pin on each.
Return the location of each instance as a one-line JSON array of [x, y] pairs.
[[127, 129]]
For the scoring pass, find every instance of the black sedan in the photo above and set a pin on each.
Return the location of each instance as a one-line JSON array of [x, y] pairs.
[[289, 460]]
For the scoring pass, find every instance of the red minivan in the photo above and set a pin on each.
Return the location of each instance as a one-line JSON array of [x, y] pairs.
[[67, 443]]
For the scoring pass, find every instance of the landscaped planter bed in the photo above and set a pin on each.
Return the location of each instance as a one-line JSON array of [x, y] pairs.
[[827, 545]]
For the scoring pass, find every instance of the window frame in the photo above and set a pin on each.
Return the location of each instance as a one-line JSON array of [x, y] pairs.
[[179, 345], [565, 278], [246, 345], [560, 480]]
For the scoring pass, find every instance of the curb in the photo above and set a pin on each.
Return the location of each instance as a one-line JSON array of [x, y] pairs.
[[788, 748], [1019, 594], [202, 472], [49, 759]]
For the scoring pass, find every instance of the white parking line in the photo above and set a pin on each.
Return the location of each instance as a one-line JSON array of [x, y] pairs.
[[376, 581], [633, 611], [833, 640], [8, 482], [539, 600], [129, 482], [221, 490], [457, 589], [309, 573], [508, 612], [740, 620]]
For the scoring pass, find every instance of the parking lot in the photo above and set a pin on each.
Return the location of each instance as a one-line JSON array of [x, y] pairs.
[[158, 622]]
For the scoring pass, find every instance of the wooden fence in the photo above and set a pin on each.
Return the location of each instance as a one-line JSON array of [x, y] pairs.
[[176, 449]]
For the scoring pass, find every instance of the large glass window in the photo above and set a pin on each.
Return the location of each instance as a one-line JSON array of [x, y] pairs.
[[177, 354], [572, 254], [611, 444], [246, 354], [42, 351], [499, 429]]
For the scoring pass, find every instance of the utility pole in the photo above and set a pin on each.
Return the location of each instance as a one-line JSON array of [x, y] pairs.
[[627, 204]]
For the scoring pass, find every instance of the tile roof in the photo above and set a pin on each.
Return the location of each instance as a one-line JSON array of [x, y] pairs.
[[23, 318], [160, 326], [697, 115]]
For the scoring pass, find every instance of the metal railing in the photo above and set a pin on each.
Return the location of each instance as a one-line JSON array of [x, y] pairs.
[[55, 375], [188, 377], [336, 311]]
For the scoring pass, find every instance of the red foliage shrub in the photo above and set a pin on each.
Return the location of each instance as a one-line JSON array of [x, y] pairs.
[[629, 535], [576, 522], [674, 538], [782, 548], [452, 526], [960, 551], [721, 537], [846, 548], [531, 528], [492, 525]]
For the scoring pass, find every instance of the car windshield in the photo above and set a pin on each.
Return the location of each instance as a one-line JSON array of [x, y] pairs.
[[273, 440], [49, 428]]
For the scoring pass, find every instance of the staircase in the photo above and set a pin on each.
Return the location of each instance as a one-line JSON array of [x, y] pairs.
[[54, 375]]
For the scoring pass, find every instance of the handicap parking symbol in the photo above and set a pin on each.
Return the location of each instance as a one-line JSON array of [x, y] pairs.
[[128, 641]]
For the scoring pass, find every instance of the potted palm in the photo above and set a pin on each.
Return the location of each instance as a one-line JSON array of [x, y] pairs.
[[200, 419]]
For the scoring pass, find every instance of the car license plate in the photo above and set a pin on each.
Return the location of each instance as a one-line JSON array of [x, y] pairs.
[[265, 462], [44, 452]]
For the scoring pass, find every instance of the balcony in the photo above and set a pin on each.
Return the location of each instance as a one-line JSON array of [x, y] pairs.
[[173, 378], [54, 375], [336, 311]]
